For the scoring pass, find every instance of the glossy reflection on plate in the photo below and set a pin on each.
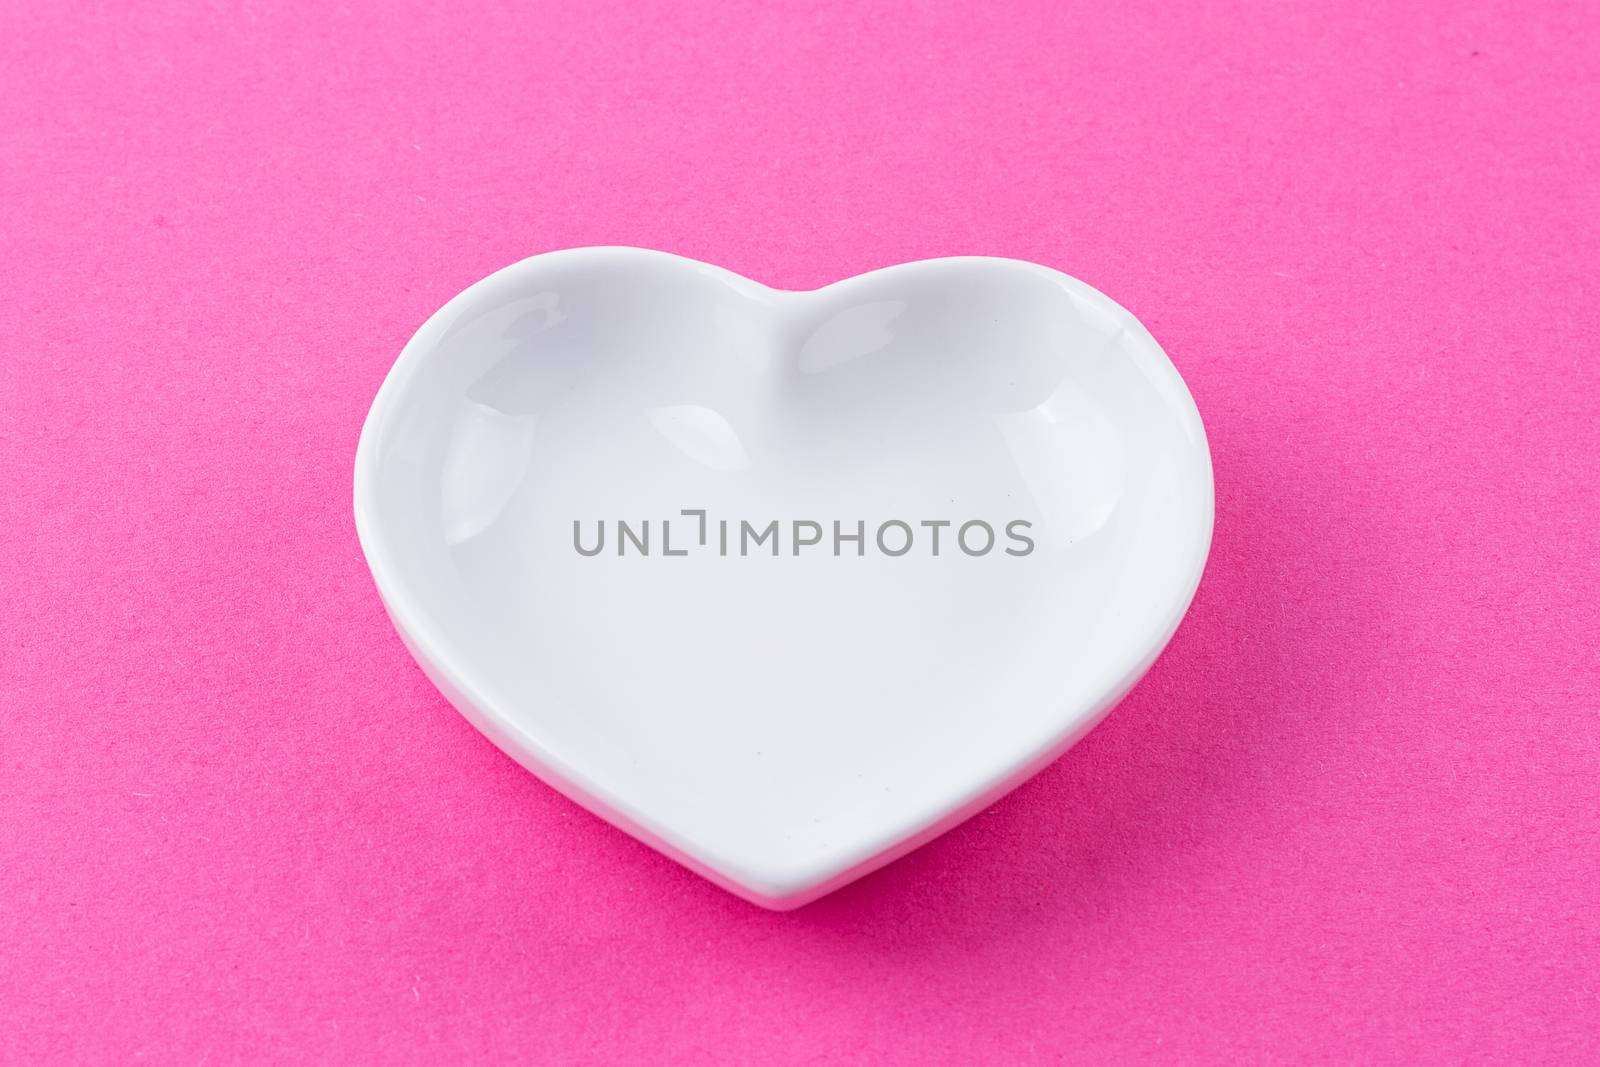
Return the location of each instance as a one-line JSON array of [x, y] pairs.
[[783, 583]]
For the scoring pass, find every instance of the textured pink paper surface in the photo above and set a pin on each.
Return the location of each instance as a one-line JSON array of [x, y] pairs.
[[1352, 815]]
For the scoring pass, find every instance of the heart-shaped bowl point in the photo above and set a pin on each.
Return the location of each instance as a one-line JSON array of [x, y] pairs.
[[783, 583]]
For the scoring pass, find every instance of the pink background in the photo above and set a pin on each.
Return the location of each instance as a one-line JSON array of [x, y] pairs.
[[1354, 812]]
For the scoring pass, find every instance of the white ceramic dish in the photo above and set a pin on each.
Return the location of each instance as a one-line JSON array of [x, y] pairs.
[[783, 723]]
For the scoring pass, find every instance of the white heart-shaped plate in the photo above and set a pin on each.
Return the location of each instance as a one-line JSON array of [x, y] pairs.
[[783, 583]]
